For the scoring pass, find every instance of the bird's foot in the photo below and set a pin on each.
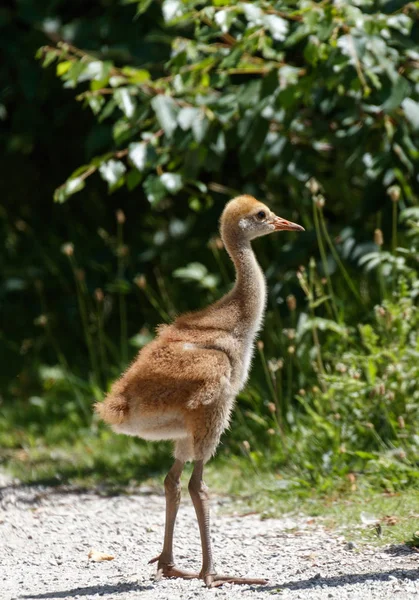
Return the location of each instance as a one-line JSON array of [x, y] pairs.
[[213, 580], [168, 569]]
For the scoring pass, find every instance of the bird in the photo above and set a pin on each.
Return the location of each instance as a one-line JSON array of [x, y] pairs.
[[183, 384]]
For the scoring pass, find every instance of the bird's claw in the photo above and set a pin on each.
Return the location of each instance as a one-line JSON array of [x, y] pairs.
[[168, 569]]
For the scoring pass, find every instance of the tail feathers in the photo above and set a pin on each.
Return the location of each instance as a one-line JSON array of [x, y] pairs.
[[113, 410]]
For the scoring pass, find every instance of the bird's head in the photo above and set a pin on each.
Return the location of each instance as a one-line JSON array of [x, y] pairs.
[[245, 217]]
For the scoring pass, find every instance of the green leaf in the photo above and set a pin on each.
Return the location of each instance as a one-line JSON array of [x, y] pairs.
[[142, 5], [365, 455], [141, 339], [253, 14], [71, 186], [98, 84], [400, 88], [398, 150], [321, 324], [197, 272], [142, 155], [137, 76], [200, 127], [117, 80], [63, 67], [49, 58], [411, 111], [194, 271], [166, 113], [54, 373], [74, 74], [133, 179], [401, 22], [108, 110], [96, 103], [301, 32], [96, 70], [154, 189], [122, 131], [224, 19], [210, 281]]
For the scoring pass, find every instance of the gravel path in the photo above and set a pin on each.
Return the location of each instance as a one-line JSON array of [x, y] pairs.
[[46, 535]]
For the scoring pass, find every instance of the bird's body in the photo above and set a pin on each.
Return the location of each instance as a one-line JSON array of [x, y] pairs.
[[183, 384]]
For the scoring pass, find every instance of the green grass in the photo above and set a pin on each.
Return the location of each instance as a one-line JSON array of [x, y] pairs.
[[91, 459], [362, 515]]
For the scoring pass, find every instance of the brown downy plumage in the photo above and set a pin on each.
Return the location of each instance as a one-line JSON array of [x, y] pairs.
[[182, 385]]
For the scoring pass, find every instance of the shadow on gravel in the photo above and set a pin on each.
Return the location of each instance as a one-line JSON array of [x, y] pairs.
[[399, 550], [341, 580], [304, 584], [33, 494], [91, 590]]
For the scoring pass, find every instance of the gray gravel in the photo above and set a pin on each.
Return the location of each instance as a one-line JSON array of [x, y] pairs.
[[46, 535]]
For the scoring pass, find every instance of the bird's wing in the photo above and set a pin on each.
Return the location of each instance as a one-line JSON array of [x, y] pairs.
[[180, 373], [210, 374]]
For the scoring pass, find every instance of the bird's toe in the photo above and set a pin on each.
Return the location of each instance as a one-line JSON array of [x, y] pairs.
[[168, 569]]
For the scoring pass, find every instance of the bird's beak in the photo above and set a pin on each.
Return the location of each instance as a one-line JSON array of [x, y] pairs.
[[284, 225]]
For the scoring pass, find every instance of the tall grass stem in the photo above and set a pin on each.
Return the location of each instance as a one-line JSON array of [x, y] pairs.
[[316, 211], [82, 296], [336, 256], [122, 299]]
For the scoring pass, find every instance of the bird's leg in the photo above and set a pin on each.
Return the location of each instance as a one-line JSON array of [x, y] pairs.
[[199, 494], [165, 563]]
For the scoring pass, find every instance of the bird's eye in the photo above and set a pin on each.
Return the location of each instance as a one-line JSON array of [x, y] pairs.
[[261, 215]]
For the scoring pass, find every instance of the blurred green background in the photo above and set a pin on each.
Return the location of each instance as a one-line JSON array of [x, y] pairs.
[[125, 127]]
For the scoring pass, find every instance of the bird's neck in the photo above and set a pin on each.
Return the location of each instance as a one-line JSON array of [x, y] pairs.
[[249, 291]]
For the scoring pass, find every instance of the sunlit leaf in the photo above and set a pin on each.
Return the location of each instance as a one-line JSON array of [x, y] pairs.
[[125, 101], [112, 171], [71, 186], [166, 112], [172, 182], [411, 110], [141, 339], [63, 67], [171, 9], [200, 127], [96, 103], [187, 116], [193, 271], [277, 26], [137, 76], [138, 154]]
